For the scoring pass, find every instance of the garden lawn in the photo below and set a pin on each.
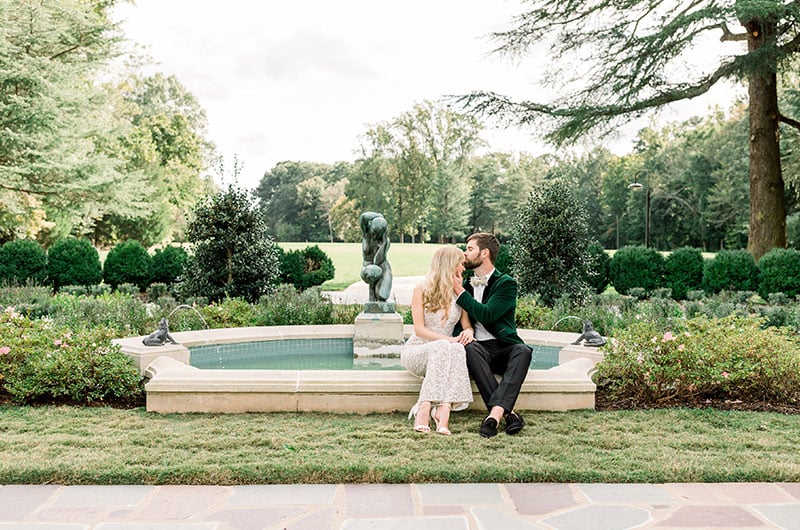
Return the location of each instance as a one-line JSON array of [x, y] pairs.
[[406, 259], [79, 445]]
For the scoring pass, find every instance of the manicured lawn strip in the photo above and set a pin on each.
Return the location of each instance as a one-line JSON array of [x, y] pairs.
[[75, 445], [406, 260]]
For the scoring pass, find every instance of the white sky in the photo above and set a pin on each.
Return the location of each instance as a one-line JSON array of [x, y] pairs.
[[302, 79]]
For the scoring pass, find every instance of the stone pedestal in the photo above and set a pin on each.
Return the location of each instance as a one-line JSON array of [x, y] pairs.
[[378, 335]]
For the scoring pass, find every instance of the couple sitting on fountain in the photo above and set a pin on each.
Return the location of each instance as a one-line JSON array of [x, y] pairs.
[[466, 329]]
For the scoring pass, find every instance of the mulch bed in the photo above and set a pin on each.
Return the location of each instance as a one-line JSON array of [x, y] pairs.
[[602, 401]]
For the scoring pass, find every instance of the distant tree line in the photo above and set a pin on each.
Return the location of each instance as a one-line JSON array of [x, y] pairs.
[[423, 172]]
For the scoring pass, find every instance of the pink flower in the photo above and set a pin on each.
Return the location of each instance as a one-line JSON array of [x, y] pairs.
[[725, 375], [681, 347], [4, 350], [57, 342], [668, 336]]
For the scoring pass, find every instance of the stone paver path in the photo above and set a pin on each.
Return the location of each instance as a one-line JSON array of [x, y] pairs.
[[402, 506]]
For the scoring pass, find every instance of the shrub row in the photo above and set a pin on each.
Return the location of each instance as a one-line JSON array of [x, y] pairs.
[[637, 269], [75, 262], [72, 261]]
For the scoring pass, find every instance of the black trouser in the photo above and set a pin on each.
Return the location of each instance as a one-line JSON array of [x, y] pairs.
[[510, 361]]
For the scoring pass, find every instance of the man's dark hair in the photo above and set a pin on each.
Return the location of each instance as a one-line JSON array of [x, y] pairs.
[[486, 240]]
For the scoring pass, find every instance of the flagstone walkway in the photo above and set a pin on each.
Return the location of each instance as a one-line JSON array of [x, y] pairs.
[[402, 506]]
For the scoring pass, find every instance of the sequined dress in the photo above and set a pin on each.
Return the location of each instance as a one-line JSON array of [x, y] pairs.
[[441, 364]]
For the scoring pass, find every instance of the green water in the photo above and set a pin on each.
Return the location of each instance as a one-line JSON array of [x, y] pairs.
[[315, 354]]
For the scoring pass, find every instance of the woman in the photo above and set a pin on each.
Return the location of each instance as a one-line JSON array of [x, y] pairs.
[[432, 352]]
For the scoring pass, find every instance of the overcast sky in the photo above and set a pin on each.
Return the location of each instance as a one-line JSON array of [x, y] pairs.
[[301, 80]]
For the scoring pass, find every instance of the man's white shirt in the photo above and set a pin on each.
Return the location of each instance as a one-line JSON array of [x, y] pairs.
[[480, 330]]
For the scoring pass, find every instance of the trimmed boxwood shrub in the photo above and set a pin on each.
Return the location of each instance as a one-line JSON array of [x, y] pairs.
[[779, 272], [683, 271], [23, 261], [503, 263], [599, 269], [167, 264], [128, 262], [72, 261], [306, 268], [637, 266], [730, 270]]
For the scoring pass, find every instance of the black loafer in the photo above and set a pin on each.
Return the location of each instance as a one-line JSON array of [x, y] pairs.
[[488, 427], [514, 423]]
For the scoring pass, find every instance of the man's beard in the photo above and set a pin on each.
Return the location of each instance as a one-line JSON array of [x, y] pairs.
[[471, 265]]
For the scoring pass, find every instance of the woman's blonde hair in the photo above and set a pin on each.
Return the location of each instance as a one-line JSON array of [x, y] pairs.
[[437, 291]]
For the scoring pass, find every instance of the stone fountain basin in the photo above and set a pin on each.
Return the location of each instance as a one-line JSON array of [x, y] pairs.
[[175, 386]]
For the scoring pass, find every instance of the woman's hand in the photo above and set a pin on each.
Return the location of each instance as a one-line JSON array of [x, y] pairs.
[[466, 336]]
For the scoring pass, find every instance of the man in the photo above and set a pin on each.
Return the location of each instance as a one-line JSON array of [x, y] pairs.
[[490, 299]]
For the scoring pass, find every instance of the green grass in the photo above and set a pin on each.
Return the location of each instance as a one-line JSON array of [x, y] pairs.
[[406, 260], [73, 445]]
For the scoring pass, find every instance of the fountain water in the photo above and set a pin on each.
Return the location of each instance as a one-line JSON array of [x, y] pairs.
[[186, 306], [554, 326]]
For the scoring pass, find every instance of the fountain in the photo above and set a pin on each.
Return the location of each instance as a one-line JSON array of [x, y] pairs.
[[176, 386]]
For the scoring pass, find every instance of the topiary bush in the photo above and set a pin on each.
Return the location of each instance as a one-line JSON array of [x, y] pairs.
[[167, 264], [599, 270], [548, 245], [779, 272], [306, 268], [730, 270], [503, 263], [710, 360], [128, 262], [683, 271], [41, 362], [234, 256], [23, 261], [637, 266], [72, 261]]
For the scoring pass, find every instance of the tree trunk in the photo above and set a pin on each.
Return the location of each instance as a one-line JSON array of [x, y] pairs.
[[767, 206]]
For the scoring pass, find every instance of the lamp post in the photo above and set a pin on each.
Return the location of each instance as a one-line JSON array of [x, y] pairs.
[[635, 185]]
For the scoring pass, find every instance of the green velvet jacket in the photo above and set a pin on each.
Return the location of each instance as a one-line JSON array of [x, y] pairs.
[[497, 311]]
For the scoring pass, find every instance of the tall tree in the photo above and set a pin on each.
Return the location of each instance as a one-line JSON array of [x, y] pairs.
[[414, 171], [165, 143], [447, 139], [54, 115], [618, 59], [294, 200], [501, 183]]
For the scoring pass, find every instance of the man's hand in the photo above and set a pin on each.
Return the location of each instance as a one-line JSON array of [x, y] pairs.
[[458, 284]]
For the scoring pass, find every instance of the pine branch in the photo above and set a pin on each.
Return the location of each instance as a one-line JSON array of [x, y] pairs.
[[789, 121], [728, 35], [27, 190]]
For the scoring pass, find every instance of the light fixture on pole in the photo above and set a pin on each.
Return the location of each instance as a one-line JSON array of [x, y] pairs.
[[636, 185]]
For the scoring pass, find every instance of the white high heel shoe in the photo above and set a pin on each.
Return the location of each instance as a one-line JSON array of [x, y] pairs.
[[440, 429], [423, 428]]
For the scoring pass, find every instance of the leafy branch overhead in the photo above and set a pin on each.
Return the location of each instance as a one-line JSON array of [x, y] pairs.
[[613, 60], [622, 59]]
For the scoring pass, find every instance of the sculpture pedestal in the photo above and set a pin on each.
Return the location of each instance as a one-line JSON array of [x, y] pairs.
[[378, 334]]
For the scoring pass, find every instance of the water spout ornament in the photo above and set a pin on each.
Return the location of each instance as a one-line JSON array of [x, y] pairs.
[[590, 336], [160, 336]]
